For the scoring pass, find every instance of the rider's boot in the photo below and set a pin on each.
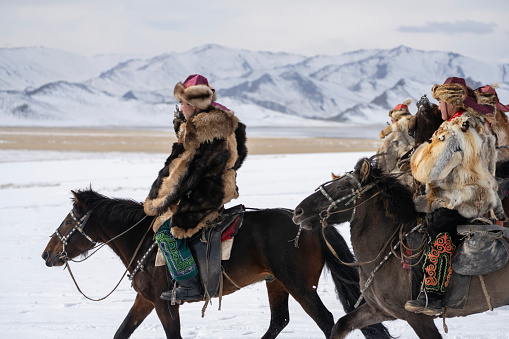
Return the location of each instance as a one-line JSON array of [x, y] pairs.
[[425, 304], [437, 272], [186, 290]]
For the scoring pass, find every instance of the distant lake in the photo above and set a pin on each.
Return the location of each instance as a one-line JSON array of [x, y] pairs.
[[348, 132]]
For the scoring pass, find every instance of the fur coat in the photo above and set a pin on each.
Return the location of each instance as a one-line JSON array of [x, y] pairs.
[[199, 176], [458, 168], [396, 144]]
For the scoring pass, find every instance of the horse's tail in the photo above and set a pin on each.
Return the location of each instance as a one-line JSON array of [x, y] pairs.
[[346, 278]]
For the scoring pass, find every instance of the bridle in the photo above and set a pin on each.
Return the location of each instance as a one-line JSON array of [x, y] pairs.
[[352, 198], [79, 225]]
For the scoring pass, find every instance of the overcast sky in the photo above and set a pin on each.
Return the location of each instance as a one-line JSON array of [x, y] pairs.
[[478, 29]]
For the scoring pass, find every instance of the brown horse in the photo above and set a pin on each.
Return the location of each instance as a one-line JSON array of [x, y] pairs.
[[379, 206], [263, 250]]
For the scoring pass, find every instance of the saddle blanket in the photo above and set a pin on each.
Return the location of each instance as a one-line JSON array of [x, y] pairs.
[[226, 244]]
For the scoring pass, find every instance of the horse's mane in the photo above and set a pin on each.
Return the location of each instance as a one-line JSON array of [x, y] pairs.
[[112, 210], [396, 197]]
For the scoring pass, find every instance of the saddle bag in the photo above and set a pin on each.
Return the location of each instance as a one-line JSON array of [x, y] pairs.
[[482, 251]]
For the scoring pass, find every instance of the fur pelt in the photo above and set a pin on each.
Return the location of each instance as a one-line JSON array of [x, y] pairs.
[[498, 122], [396, 144], [200, 96], [458, 168], [487, 98], [199, 176], [499, 126], [400, 110], [453, 94], [461, 97]]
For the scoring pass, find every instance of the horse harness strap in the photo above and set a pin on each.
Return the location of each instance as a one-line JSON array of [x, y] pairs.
[[372, 275], [125, 272], [356, 193], [78, 226], [140, 265]]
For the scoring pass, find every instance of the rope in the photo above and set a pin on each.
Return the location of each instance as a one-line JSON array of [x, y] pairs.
[[97, 248], [372, 275], [362, 262], [230, 279], [348, 209], [356, 193], [486, 293], [127, 268], [446, 329], [76, 283], [419, 251]]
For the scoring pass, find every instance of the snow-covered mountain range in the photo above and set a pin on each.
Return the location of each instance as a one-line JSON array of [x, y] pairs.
[[46, 87]]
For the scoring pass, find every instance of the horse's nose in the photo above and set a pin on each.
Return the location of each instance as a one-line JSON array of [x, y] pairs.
[[298, 212], [45, 255]]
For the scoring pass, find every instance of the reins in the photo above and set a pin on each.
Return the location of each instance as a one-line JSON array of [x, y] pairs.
[[80, 225], [384, 260], [356, 194], [97, 248], [353, 196]]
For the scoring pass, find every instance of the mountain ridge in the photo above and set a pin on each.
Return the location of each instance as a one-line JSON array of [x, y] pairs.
[[52, 86]]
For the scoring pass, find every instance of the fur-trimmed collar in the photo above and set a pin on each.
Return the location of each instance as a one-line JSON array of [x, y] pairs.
[[207, 126]]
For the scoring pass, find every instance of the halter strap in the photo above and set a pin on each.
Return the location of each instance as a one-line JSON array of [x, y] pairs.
[[353, 196], [79, 226]]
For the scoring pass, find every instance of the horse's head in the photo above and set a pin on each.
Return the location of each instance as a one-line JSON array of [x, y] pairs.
[[71, 238], [336, 201]]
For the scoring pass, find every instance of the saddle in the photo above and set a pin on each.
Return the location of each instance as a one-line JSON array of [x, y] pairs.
[[206, 247], [208, 250]]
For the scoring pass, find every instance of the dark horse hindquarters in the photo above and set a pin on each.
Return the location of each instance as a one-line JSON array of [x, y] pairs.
[[262, 249]]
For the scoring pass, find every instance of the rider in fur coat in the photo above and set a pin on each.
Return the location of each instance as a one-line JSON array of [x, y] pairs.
[[458, 168], [498, 122], [198, 178], [397, 140]]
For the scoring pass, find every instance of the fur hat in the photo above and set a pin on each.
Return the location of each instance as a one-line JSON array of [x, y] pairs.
[[400, 110], [455, 91], [488, 95], [195, 91]]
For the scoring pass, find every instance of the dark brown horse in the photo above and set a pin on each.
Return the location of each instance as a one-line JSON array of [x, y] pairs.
[[263, 250], [381, 205]]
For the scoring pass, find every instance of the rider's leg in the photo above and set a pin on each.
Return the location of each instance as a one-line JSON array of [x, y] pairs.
[[181, 264], [437, 265]]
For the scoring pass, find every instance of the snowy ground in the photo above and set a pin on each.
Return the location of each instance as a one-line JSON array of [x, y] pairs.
[[41, 302]]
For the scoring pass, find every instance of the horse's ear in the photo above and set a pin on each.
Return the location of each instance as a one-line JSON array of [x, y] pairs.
[[80, 205], [334, 176], [74, 196], [365, 171]]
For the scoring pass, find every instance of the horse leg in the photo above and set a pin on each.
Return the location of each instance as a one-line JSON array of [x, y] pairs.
[[171, 327], [361, 317], [424, 326], [312, 304], [139, 311], [279, 315]]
